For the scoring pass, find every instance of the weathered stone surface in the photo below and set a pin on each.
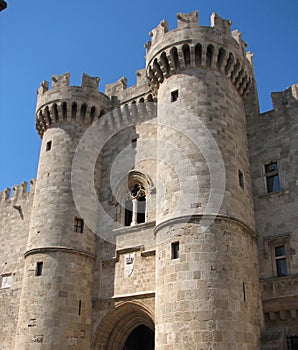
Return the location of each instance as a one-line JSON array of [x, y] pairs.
[[188, 268]]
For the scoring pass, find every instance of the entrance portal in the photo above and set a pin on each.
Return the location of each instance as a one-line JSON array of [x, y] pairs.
[[127, 326], [141, 337]]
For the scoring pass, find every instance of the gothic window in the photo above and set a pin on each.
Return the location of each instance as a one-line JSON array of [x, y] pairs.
[[272, 177], [135, 205], [133, 193]]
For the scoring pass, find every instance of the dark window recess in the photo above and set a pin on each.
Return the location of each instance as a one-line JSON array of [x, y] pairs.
[[38, 269], [78, 225], [175, 250], [48, 146], [241, 179], [141, 215], [128, 213], [174, 95], [293, 343], [80, 307], [281, 262], [134, 143], [244, 292], [272, 177]]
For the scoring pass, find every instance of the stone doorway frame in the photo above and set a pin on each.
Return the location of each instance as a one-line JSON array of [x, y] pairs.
[[116, 326]]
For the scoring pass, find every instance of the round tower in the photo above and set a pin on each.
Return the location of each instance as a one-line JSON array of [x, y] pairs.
[[55, 306], [206, 254]]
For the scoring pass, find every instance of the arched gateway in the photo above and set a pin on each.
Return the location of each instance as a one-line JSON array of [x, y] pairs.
[[128, 326]]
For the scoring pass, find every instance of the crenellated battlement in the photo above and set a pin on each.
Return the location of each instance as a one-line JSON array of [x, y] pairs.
[[283, 98], [191, 46], [64, 103], [17, 192], [121, 94]]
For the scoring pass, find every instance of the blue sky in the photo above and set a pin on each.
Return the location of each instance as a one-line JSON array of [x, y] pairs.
[[106, 38]]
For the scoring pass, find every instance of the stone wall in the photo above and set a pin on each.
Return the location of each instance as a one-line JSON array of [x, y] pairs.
[[14, 222], [273, 136]]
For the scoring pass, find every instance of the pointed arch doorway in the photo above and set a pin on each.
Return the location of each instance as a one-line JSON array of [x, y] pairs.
[[142, 337], [128, 326]]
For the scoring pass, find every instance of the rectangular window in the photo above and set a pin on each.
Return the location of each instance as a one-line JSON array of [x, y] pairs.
[[241, 179], [80, 307], [78, 225], [280, 261], [272, 177], [174, 95], [175, 250], [6, 281], [38, 269], [48, 146]]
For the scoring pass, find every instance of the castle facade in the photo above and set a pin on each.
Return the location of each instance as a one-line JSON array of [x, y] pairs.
[[164, 215]]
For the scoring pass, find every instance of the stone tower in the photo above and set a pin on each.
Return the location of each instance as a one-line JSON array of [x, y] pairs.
[[141, 229], [56, 295], [207, 292]]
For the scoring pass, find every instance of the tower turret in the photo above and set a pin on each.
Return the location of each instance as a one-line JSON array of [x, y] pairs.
[[55, 307], [206, 253]]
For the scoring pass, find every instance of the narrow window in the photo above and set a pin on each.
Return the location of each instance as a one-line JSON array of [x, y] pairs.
[[78, 225], [244, 292], [280, 261], [175, 250], [141, 209], [38, 269], [128, 213], [241, 179], [80, 307], [174, 95], [272, 177], [6, 281], [48, 146]]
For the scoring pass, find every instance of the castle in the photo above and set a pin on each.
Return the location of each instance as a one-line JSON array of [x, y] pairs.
[[164, 215]]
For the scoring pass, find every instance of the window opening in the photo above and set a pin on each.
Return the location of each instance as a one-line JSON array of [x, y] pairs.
[[135, 206], [241, 179], [80, 307], [48, 146], [141, 209], [78, 225], [280, 261], [134, 143], [38, 270], [174, 95], [293, 342], [128, 212], [175, 250], [272, 177], [6, 281], [244, 292]]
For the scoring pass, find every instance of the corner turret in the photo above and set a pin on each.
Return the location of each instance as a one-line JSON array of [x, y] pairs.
[[64, 104], [186, 48]]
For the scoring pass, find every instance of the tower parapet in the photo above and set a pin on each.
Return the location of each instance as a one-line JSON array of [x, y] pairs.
[[64, 104], [192, 46], [283, 98]]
